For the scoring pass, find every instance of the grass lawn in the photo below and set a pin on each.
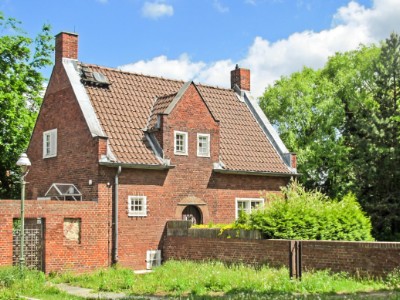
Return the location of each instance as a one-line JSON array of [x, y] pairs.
[[198, 281], [216, 279]]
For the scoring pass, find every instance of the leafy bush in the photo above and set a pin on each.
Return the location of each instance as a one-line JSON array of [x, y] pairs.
[[311, 215]]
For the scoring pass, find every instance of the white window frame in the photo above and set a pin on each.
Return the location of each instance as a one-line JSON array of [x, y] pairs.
[[248, 201], [185, 143], [137, 213], [153, 259], [202, 135], [50, 143]]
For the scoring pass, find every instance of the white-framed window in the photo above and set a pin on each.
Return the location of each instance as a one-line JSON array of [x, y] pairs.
[[203, 145], [153, 259], [137, 206], [180, 143], [248, 205], [50, 143]]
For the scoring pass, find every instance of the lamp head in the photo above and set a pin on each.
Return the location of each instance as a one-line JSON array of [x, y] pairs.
[[24, 163]]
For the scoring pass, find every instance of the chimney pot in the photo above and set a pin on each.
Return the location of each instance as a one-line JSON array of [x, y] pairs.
[[241, 78], [66, 46]]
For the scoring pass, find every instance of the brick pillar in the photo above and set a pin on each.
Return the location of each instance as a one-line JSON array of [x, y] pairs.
[[240, 77], [66, 46]]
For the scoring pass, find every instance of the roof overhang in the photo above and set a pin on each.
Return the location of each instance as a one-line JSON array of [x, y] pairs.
[[255, 173], [135, 166]]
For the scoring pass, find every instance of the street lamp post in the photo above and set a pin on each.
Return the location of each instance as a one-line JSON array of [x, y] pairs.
[[24, 163]]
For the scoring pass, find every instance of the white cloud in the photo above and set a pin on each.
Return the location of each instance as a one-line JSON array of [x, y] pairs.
[[352, 25], [220, 7], [157, 9], [181, 68]]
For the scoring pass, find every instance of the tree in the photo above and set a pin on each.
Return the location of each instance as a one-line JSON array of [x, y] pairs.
[[21, 85], [309, 112], [374, 135], [344, 121]]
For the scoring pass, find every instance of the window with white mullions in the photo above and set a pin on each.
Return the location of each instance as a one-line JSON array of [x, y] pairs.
[[50, 143], [203, 145], [180, 143], [248, 205], [137, 206]]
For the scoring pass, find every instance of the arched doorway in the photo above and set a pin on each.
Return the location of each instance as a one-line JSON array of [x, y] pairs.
[[192, 213]]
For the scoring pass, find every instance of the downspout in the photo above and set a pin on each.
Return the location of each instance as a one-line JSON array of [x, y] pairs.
[[115, 250]]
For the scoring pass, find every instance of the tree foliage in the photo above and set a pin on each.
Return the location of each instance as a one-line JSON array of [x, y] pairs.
[[311, 215], [343, 120], [373, 133], [21, 85], [307, 109]]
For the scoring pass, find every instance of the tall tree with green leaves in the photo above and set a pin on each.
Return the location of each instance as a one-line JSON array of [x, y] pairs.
[[308, 110], [21, 88], [373, 132]]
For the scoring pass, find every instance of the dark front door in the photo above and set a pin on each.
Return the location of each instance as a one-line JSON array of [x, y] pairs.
[[192, 213], [33, 250]]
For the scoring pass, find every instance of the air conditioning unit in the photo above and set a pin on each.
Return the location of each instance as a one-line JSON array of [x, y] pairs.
[[153, 259]]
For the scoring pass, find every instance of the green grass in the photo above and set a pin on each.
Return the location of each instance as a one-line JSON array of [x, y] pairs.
[[198, 281], [14, 283], [214, 278]]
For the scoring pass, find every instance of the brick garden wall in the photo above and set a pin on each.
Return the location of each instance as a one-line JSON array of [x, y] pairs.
[[375, 258], [91, 252], [358, 258]]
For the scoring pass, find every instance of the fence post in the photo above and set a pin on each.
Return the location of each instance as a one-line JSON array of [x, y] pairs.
[[295, 259]]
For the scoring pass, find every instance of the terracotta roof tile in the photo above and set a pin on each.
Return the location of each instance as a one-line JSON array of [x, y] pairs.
[[131, 103]]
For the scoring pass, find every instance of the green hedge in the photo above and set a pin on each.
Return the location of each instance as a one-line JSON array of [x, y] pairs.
[[310, 215]]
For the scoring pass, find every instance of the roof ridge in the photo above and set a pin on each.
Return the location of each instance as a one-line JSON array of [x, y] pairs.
[[129, 73], [153, 76]]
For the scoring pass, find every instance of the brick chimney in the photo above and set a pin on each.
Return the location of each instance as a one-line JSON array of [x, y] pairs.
[[240, 77], [66, 46]]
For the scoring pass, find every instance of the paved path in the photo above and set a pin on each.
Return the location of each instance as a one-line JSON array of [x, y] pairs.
[[88, 293]]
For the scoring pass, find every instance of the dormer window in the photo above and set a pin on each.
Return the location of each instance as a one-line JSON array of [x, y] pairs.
[[181, 143], [203, 145], [50, 143]]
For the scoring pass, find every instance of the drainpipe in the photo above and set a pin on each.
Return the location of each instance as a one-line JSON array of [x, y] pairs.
[[115, 252]]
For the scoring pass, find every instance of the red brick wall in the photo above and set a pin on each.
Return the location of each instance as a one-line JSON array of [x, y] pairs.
[[375, 258], [254, 252], [357, 258], [92, 252]]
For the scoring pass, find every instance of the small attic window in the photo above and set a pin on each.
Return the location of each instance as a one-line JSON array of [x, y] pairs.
[[93, 78], [64, 191]]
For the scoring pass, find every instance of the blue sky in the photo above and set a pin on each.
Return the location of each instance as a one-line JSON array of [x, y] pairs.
[[203, 39]]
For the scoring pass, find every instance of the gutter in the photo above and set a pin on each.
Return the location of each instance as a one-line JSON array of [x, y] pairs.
[[135, 166], [256, 173], [115, 245]]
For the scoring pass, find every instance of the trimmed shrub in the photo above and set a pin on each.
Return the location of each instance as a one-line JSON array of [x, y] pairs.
[[311, 215]]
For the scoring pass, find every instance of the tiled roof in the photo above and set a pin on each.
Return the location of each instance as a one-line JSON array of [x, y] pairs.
[[131, 103], [159, 107]]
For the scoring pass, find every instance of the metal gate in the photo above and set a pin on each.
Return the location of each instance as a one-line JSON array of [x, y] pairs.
[[33, 243]]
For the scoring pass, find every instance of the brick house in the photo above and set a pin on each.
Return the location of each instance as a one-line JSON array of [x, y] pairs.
[[144, 150]]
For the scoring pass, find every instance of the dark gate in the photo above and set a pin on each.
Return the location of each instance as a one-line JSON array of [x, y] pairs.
[[34, 243], [193, 214]]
